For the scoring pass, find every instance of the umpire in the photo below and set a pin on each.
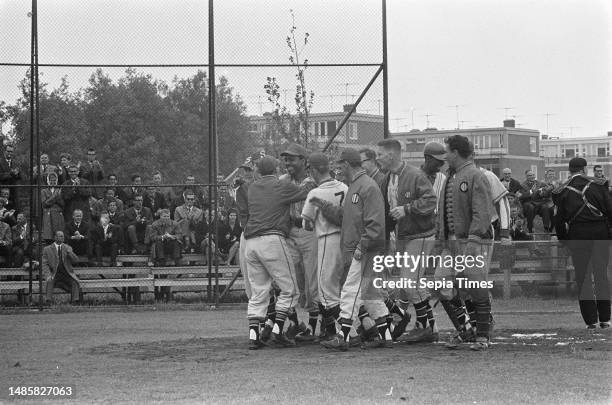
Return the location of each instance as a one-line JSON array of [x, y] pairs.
[[583, 220]]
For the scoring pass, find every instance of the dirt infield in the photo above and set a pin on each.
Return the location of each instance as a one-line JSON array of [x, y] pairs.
[[537, 356]]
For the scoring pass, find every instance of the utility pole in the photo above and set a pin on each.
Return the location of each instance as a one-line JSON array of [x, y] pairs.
[[346, 86], [547, 116], [427, 117], [456, 107], [506, 109]]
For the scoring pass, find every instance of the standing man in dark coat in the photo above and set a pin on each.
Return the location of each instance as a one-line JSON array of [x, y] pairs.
[[76, 197], [9, 173], [583, 220]]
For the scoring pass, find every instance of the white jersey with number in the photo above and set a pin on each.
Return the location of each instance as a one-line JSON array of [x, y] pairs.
[[332, 191]]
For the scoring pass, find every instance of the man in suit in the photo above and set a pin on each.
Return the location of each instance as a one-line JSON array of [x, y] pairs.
[[106, 239], [92, 171], [187, 215], [7, 215], [57, 261], [9, 172], [21, 240], [76, 197], [135, 222], [166, 237], [512, 184], [44, 168], [112, 184], [77, 232], [6, 241], [134, 190], [155, 201]]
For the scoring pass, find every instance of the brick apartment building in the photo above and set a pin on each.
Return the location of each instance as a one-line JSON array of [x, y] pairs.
[[496, 148], [557, 153]]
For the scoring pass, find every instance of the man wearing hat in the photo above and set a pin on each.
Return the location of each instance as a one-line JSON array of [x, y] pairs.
[[584, 219], [362, 218], [329, 253], [302, 243], [435, 157], [267, 249], [512, 184]]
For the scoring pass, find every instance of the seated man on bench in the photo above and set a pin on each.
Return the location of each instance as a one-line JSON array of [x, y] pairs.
[[106, 239], [166, 237], [135, 222], [57, 260]]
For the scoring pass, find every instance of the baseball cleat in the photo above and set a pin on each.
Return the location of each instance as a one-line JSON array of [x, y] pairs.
[[400, 328], [592, 326], [419, 335], [481, 344], [376, 342], [280, 340], [255, 344], [465, 336], [336, 343], [604, 325]]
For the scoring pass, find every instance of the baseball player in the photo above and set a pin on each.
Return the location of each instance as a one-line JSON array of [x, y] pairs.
[[466, 212], [363, 236], [410, 204], [302, 244], [329, 264], [267, 251]]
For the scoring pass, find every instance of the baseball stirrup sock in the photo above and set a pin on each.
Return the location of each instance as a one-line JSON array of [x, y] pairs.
[[254, 329], [393, 307], [383, 328], [292, 317], [345, 327], [281, 315], [313, 317], [471, 311], [483, 318], [424, 314], [362, 313], [271, 314]]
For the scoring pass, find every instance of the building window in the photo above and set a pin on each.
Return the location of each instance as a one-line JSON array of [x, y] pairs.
[[352, 131], [603, 151], [533, 145], [331, 128], [421, 140], [320, 129]]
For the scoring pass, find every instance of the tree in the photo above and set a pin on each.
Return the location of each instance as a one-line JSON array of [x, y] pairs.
[[285, 126]]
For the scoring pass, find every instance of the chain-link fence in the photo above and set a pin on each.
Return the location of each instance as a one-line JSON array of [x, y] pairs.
[[108, 129]]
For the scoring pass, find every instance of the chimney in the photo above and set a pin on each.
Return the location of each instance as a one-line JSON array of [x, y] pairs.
[[348, 107], [544, 136], [508, 123], [609, 133]]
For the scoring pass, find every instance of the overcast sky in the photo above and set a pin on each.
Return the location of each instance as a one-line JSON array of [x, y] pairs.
[[538, 57]]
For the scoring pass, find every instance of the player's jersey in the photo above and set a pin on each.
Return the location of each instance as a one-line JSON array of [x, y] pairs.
[[333, 191]]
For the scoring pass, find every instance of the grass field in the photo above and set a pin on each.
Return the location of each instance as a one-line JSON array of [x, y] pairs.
[[194, 356]]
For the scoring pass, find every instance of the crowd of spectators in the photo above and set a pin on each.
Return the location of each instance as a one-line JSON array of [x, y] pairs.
[[100, 219]]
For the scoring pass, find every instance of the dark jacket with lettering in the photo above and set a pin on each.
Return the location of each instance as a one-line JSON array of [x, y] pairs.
[[363, 215], [415, 193], [472, 204]]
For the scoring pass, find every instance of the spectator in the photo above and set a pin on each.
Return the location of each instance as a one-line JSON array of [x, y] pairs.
[[106, 240], [77, 232], [44, 168], [165, 191], [115, 217], [6, 242], [5, 192], [190, 186], [135, 221], [206, 232], [166, 237], [77, 197], [510, 183], [6, 215], [517, 225], [598, 172], [52, 207], [368, 163], [9, 173], [21, 240], [551, 179], [109, 195], [232, 238], [134, 190], [154, 200], [92, 171], [535, 197], [187, 215], [62, 168], [111, 180], [57, 261]]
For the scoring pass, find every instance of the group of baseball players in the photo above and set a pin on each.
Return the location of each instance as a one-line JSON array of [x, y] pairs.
[[310, 241]]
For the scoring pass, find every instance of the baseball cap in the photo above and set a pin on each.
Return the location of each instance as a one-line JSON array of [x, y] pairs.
[[577, 163], [350, 155], [267, 165], [435, 150], [295, 150], [318, 160]]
